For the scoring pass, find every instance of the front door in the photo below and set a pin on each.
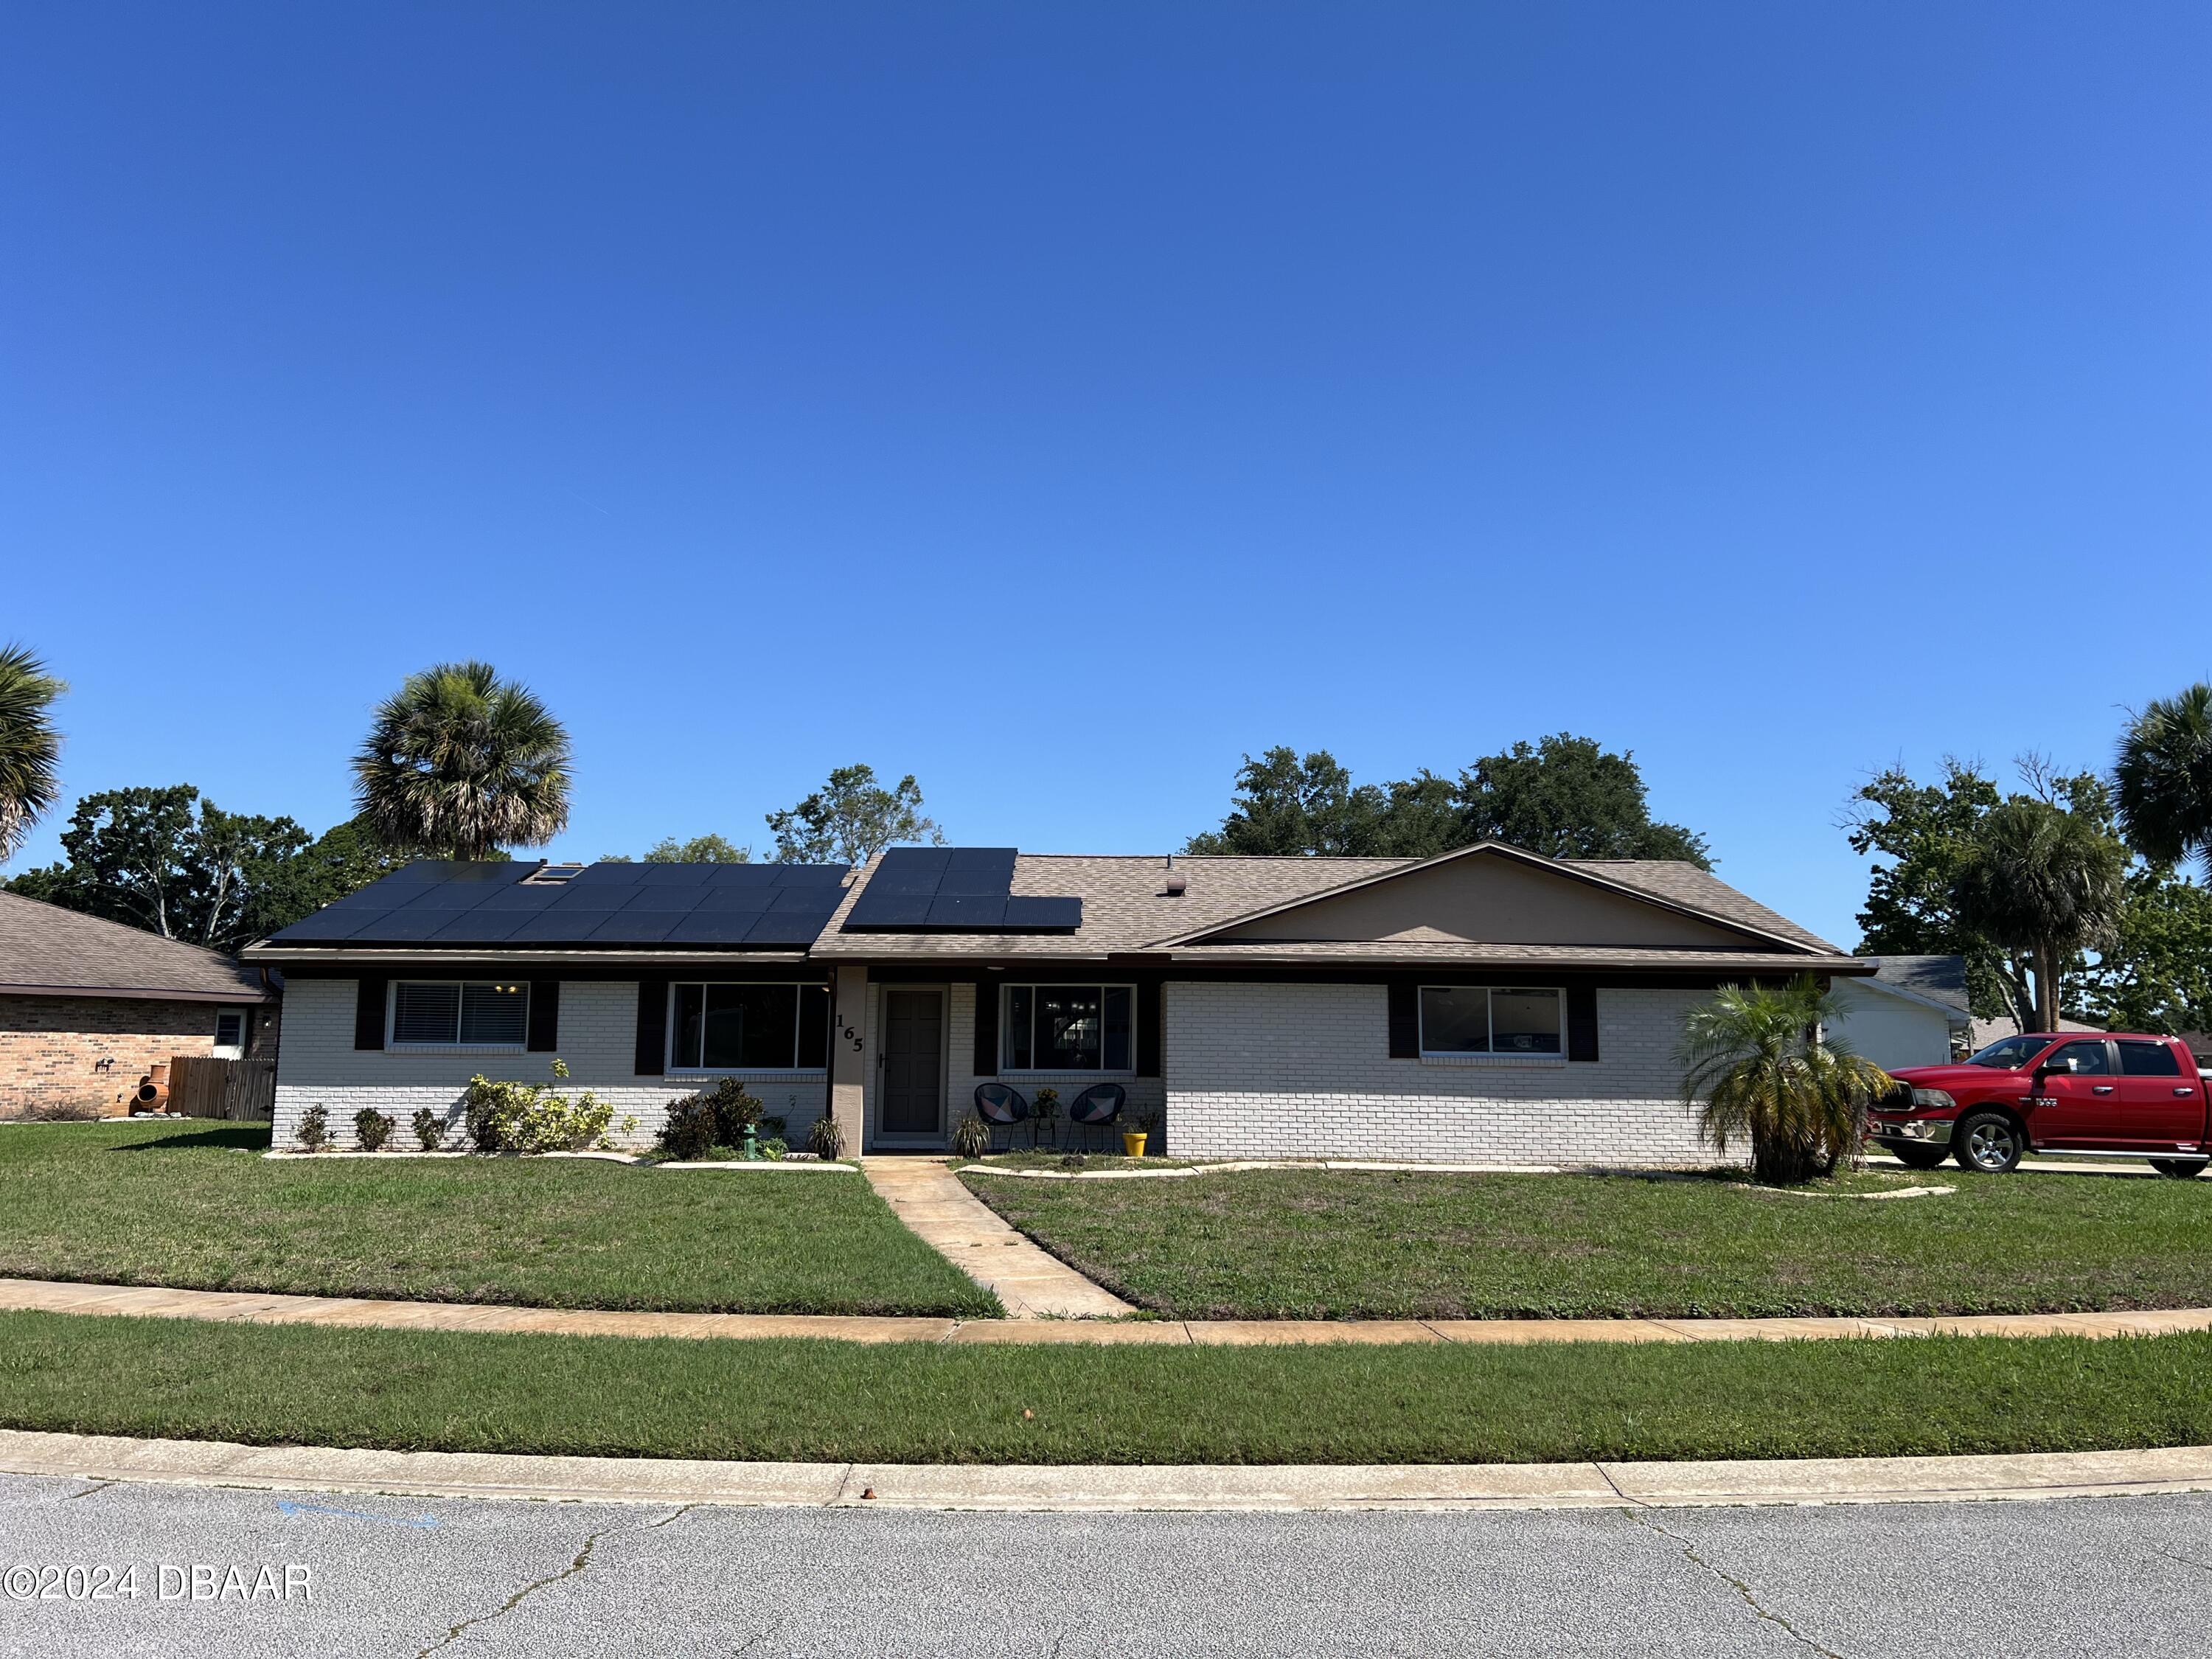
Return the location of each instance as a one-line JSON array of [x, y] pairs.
[[913, 1062]]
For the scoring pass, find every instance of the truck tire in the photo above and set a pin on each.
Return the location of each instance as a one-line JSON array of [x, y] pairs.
[[2179, 1169], [1988, 1143], [1918, 1157]]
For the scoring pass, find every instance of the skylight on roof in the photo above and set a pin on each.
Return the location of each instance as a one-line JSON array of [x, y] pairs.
[[552, 875]]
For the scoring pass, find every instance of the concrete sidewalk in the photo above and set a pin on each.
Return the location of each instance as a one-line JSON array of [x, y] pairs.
[[1108, 1488], [251, 1308], [925, 1194]]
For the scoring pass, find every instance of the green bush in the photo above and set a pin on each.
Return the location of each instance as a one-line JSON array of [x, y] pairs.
[[774, 1147], [532, 1117], [827, 1138], [314, 1130], [971, 1137], [371, 1129], [713, 1117], [430, 1129]]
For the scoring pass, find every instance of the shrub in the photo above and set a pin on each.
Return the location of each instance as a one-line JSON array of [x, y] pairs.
[[713, 1117], [430, 1129], [532, 1117], [774, 1147], [774, 1128], [826, 1138], [314, 1130], [371, 1129], [971, 1137], [83, 1109]]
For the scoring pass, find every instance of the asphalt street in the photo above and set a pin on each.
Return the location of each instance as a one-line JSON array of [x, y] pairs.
[[344, 1575]]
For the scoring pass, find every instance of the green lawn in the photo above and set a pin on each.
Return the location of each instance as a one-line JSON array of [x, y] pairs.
[[198, 1208], [906, 1403], [1317, 1244]]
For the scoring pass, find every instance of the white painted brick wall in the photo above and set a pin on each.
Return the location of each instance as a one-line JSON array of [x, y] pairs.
[[1303, 1071], [319, 1064]]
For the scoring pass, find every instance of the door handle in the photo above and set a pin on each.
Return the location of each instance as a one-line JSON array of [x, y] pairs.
[[2102, 1089], [2185, 1092]]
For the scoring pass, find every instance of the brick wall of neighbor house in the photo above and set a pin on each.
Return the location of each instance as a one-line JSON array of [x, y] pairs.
[[52, 1048], [597, 1041], [961, 1080], [1303, 1071]]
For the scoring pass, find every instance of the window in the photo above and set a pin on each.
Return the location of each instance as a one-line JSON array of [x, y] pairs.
[[1482, 1019], [448, 1013], [2009, 1053], [2089, 1058], [1069, 1028], [229, 1033], [2148, 1059], [748, 1028]]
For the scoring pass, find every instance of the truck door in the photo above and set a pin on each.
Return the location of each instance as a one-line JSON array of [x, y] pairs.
[[2080, 1110], [2161, 1106]]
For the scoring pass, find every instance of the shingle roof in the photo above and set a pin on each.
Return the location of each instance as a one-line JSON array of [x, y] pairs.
[[1126, 907], [47, 951], [1940, 979]]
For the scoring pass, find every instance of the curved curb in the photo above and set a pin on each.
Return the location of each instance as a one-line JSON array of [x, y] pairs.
[[1105, 1488]]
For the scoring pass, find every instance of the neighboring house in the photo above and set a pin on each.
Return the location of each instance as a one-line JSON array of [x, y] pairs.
[[1487, 1005], [1912, 1011], [1987, 1031], [88, 1006]]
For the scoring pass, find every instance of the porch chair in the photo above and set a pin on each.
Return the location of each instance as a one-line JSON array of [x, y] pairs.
[[1098, 1107], [1001, 1107]]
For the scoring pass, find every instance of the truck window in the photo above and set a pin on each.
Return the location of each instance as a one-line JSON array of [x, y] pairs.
[[2089, 1058], [2149, 1060], [2009, 1053]]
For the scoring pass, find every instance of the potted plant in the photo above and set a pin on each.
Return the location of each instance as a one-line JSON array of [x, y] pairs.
[[1043, 1110], [1132, 1140]]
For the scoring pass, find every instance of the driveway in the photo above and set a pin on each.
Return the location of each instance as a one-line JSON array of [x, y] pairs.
[[410, 1577]]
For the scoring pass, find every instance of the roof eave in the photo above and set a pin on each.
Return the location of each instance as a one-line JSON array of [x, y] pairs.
[[241, 993]]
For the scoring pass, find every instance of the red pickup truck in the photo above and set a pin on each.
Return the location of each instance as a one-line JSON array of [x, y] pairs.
[[2082, 1093]]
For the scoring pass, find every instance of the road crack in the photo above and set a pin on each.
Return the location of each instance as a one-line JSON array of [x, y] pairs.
[[452, 1633], [2186, 1561], [97, 1485], [677, 1515], [1643, 1517]]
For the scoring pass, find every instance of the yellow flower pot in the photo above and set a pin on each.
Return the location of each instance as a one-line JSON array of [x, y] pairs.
[[1133, 1143]]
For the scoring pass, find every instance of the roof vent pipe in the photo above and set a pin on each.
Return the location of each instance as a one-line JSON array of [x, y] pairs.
[[1178, 883]]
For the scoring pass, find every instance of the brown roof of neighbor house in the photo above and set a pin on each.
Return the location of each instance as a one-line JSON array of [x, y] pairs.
[[45, 950], [1127, 908]]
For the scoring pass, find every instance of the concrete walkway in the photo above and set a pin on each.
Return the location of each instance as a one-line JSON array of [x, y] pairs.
[[925, 1194], [251, 1308], [1110, 1488]]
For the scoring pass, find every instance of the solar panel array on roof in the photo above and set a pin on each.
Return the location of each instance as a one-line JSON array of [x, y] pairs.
[[606, 905], [919, 890]]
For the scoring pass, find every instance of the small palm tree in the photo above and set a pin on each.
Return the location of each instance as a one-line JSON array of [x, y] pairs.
[[30, 747], [2165, 778], [2044, 880], [1758, 1063], [460, 764]]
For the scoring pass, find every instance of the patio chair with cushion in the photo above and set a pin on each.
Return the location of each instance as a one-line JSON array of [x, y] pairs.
[[1098, 1107], [1000, 1108]]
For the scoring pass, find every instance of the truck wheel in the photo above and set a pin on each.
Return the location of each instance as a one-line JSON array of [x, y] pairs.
[[1918, 1157], [1988, 1143], [2179, 1169]]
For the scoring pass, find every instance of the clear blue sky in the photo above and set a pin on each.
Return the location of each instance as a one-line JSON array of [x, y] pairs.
[[1058, 401]]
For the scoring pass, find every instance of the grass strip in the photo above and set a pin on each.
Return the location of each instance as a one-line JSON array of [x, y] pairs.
[[1342, 1244], [197, 1207], [813, 1400]]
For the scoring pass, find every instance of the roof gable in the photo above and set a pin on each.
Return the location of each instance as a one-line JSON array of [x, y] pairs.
[[1492, 894], [45, 949]]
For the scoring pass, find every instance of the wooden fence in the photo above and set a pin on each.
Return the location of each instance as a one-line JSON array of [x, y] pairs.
[[241, 1090]]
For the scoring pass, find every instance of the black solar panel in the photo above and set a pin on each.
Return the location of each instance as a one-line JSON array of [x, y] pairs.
[[604, 904], [965, 889]]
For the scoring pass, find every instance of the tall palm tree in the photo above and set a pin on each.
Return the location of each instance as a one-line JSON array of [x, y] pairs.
[[2044, 880], [461, 762], [30, 746], [1758, 1063], [2165, 778]]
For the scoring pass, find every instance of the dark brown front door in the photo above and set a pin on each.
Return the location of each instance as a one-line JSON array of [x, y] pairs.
[[913, 1062]]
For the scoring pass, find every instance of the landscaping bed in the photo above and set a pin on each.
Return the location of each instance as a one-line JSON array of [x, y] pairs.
[[1316, 1244], [815, 1401], [196, 1207]]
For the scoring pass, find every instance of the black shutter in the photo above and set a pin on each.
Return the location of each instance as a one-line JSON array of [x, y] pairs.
[[544, 1015], [1405, 1020], [652, 1028], [1148, 1028], [1582, 1022], [368, 1014], [986, 1027]]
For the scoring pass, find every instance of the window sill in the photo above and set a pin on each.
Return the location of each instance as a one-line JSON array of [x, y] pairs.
[[456, 1049], [1048, 1076], [784, 1074], [1509, 1062]]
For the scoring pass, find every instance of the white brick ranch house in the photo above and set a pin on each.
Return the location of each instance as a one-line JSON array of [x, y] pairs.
[[1488, 1006]]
